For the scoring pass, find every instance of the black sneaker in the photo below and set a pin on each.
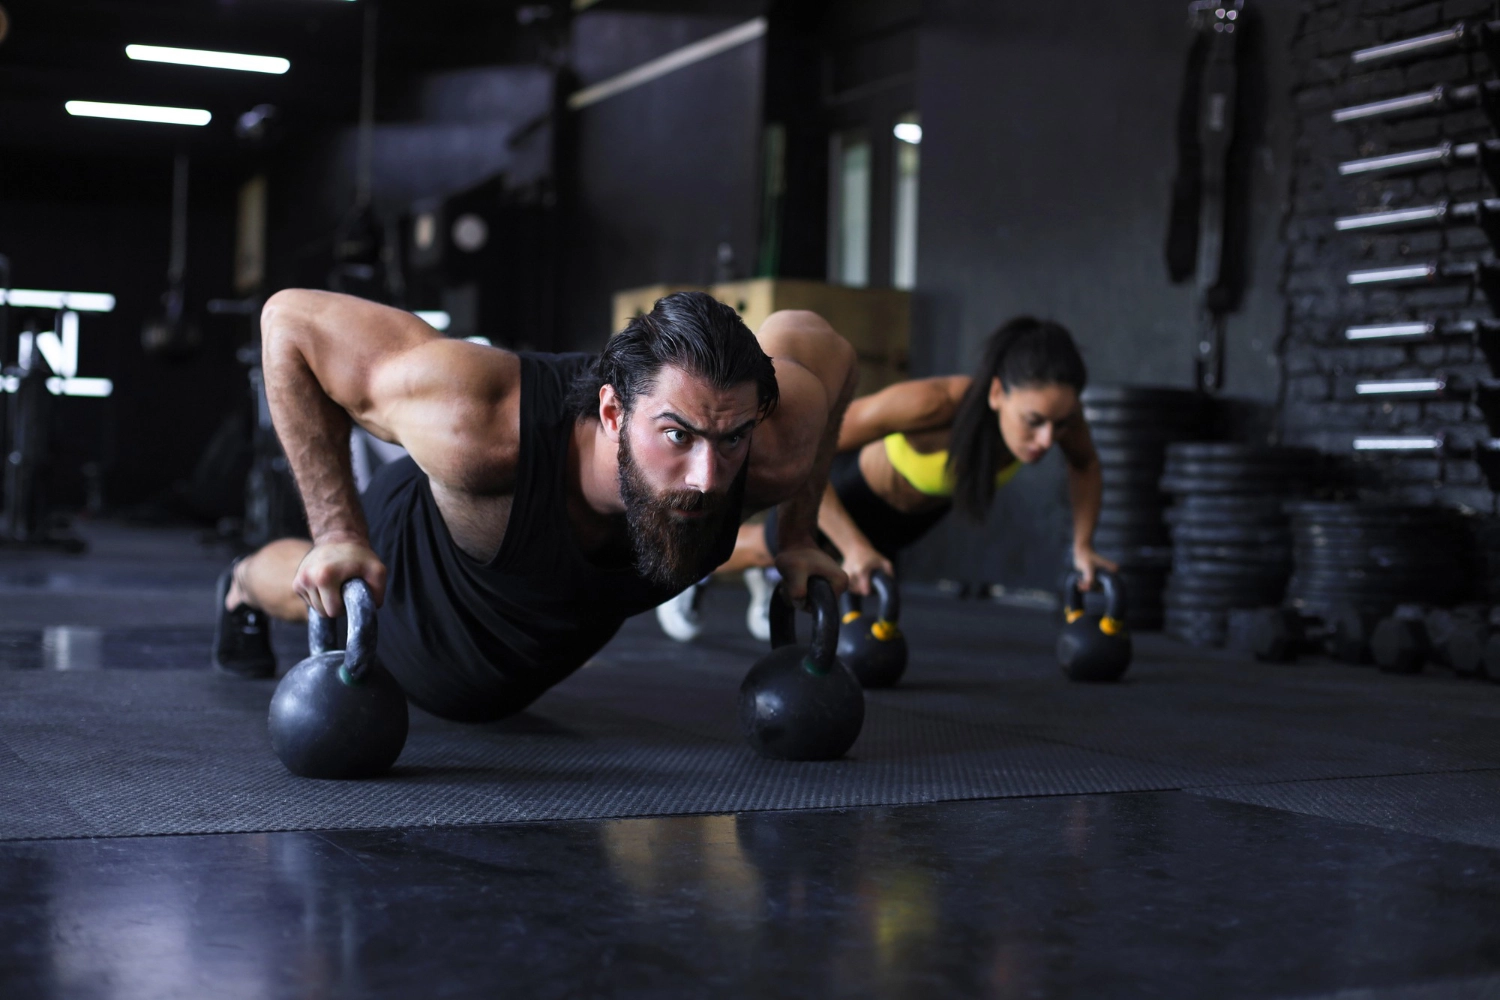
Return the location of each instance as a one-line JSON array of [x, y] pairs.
[[242, 637]]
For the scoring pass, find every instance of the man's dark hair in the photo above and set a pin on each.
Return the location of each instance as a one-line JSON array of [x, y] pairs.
[[1025, 353], [688, 330]]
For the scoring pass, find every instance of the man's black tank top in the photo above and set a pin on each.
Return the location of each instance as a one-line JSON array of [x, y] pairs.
[[474, 640]]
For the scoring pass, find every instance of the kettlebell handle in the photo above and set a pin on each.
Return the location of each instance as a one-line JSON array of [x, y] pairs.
[[359, 645], [825, 637], [1114, 595], [889, 594]]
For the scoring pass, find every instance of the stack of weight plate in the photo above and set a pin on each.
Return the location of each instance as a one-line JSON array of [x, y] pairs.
[[1231, 543], [1132, 426], [1374, 556]]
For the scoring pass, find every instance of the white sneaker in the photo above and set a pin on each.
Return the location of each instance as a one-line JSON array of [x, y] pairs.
[[680, 617], [758, 615]]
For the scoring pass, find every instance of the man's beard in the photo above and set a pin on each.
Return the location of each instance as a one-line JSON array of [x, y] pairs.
[[671, 551]]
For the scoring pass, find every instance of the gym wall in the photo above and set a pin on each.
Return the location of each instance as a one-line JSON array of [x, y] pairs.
[[87, 222], [662, 174], [1322, 367], [1048, 154]]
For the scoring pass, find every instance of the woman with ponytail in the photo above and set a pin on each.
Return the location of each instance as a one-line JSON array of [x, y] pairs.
[[913, 451]]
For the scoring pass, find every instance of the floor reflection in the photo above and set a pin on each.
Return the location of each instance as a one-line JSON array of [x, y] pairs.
[[1149, 894]]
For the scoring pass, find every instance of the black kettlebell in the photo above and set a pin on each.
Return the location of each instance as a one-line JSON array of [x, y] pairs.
[[1094, 647], [799, 702], [873, 646], [338, 713]]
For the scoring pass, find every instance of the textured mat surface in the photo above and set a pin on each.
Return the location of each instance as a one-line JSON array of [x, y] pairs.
[[1462, 807], [140, 745]]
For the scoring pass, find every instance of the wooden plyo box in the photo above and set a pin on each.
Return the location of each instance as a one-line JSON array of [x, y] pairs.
[[877, 321], [635, 302]]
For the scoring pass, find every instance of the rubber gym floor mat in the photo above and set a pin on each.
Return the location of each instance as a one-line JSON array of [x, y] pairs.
[[121, 753], [1461, 807]]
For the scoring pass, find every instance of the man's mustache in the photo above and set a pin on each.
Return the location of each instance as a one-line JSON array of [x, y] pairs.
[[692, 501]]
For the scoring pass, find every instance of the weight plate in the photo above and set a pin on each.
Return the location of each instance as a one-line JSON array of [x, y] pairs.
[[1228, 450], [1268, 554], [1234, 485], [1126, 517], [1130, 538], [1228, 534], [1127, 437], [1178, 514], [1185, 425], [1141, 557], [1129, 477], [1237, 470], [1115, 496], [1234, 506], [1227, 570], [1143, 395]]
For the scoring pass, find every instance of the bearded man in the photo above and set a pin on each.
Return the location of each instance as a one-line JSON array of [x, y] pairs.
[[546, 498]]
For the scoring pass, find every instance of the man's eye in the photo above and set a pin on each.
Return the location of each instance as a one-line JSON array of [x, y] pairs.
[[677, 435], [733, 440]]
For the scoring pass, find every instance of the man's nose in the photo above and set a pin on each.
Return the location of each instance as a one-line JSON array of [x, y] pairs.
[[703, 472]]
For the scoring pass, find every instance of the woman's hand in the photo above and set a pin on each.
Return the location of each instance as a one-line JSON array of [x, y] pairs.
[[1087, 562], [860, 563]]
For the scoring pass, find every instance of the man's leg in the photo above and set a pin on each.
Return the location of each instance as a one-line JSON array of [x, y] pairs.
[[250, 592], [263, 580], [750, 550]]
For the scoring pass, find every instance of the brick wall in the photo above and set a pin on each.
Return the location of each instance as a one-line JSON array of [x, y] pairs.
[[1321, 368]]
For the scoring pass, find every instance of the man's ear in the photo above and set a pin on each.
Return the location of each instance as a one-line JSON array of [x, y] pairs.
[[611, 412]]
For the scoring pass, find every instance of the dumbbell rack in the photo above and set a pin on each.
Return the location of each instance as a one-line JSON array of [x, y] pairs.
[[1407, 319]]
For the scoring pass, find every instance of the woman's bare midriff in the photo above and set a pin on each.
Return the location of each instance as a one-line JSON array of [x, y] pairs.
[[892, 487]]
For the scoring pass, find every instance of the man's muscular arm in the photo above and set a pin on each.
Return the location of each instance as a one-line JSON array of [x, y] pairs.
[[816, 373], [331, 359]]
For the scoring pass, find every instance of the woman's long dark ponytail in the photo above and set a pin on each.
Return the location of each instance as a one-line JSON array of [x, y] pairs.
[[1025, 352]]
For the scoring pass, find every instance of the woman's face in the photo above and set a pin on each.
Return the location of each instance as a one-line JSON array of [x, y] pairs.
[[1031, 417]]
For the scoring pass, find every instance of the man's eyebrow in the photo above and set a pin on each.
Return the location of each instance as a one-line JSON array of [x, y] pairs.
[[741, 429]]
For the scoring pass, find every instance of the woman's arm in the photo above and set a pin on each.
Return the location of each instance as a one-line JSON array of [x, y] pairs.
[[919, 405], [860, 557], [1086, 493]]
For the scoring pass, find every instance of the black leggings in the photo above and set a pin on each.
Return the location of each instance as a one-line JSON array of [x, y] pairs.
[[887, 528]]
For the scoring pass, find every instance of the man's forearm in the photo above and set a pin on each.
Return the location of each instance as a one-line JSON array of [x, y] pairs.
[[314, 433], [797, 517]]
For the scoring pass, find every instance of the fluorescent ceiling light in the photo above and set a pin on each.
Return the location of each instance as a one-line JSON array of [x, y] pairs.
[[33, 298], [211, 60], [95, 388], [909, 132], [435, 318], [139, 113]]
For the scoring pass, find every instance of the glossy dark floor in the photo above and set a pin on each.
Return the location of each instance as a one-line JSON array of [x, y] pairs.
[[1352, 851]]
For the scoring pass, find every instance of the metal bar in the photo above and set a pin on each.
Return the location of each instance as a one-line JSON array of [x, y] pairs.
[[1393, 217], [1414, 443], [1439, 155], [1391, 331], [1387, 275], [669, 63], [1401, 387], [1406, 46], [1406, 102]]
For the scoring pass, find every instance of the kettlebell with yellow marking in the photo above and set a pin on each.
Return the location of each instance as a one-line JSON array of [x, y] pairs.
[[1094, 647], [873, 646]]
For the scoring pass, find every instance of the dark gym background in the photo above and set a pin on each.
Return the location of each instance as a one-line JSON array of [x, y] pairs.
[[1046, 170]]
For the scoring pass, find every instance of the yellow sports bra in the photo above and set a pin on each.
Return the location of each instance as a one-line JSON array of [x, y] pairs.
[[929, 473]]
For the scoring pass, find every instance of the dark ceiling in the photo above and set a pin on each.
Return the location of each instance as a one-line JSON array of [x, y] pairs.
[[59, 50]]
